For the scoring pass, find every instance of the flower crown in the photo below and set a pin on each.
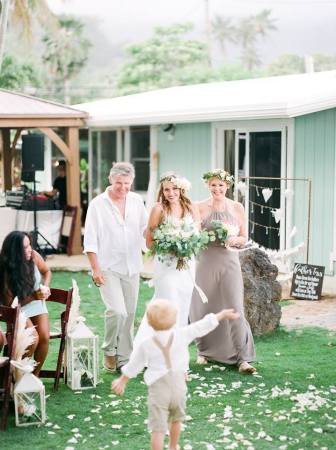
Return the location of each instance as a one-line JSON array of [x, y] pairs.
[[180, 182], [220, 174]]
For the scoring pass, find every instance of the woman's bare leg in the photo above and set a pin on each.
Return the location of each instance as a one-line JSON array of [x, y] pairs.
[[42, 327]]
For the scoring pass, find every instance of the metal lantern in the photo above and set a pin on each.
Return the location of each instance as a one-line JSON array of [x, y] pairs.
[[82, 358], [29, 399]]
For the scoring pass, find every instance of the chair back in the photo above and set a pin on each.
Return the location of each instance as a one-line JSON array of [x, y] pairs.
[[65, 298], [10, 316]]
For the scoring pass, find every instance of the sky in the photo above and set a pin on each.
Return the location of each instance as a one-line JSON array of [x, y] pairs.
[[304, 26]]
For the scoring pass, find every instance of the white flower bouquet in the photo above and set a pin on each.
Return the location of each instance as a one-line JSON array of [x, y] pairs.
[[178, 242], [223, 231]]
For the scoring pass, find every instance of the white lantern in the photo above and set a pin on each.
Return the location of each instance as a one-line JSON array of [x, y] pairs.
[[82, 358], [29, 399]]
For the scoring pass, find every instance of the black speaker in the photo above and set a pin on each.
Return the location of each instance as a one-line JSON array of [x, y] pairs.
[[32, 152], [27, 176]]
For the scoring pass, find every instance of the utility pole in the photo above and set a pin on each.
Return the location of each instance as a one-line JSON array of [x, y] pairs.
[[208, 30], [4, 9]]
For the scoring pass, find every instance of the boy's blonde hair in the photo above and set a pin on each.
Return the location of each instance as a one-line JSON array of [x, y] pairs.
[[161, 314]]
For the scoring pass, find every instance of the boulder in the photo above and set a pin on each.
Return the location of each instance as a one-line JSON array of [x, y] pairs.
[[262, 292]]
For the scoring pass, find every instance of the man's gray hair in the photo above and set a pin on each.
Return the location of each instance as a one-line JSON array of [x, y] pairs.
[[125, 169]]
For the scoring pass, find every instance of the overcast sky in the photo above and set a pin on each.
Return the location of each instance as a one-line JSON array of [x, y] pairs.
[[304, 26]]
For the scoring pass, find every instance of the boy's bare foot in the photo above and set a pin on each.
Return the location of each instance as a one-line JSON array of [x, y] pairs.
[[201, 360], [245, 367]]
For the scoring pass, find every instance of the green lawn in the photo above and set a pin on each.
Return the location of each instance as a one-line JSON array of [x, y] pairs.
[[289, 404]]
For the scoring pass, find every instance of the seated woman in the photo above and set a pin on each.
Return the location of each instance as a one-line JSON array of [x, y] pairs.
[[21, 271]]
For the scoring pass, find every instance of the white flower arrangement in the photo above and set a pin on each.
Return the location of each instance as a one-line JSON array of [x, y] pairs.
[[221, 174], [180, 182]]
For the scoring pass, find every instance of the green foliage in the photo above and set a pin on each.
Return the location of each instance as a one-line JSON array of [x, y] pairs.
[[286, 65], [264, 409], [179, 242], [16, 75], [324, 62], [66, 52], [168, 58], [249, 30]]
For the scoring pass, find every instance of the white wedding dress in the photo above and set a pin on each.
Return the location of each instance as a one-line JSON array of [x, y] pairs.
[[171, 284]]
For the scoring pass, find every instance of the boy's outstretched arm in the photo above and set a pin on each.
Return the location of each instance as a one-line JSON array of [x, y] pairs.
[[119, 385]]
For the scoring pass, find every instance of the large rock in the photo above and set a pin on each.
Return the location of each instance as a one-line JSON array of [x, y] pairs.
[[261, 291]]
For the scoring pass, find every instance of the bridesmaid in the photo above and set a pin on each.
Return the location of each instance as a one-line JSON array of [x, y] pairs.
[[219, 275]]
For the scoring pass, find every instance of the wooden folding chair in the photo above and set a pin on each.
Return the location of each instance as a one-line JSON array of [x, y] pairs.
[[10, 316], [65, 298]]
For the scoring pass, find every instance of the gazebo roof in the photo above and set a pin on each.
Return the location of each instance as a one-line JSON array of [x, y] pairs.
[[21, 106]]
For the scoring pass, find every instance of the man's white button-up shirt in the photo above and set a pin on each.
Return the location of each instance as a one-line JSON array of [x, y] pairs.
[[117, 241]]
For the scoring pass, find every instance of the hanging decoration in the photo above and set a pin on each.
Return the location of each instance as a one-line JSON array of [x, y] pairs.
[[242, 187], [277, 214], [267, 194], [288, 193]]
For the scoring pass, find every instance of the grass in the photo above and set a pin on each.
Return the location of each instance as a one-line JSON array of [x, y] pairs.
[[290, 404]]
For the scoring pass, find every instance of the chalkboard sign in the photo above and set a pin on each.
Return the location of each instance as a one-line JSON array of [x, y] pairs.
[[307, 281]]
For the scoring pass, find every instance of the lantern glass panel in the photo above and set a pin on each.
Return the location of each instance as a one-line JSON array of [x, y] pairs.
[[29, 408], [82, 362]]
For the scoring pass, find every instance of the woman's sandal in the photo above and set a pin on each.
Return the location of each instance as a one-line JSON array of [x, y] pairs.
[[245, 367], [201, 360]]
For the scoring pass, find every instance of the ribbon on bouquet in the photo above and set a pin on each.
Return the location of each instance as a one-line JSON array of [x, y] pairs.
[[201, 293]]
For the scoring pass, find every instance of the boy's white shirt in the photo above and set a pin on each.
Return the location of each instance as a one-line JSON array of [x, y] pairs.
[[148, 354]]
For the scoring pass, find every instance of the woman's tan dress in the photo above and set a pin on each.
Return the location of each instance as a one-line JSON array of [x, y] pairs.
[[219, 275]]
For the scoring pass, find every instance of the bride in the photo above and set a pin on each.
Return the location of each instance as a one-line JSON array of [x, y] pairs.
[[173, 206]]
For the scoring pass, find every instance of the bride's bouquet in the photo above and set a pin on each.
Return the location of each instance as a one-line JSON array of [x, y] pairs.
[[223, 231], [178, 242]]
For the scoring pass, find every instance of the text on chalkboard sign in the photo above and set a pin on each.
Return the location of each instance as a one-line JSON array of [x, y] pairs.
[[307, 281]]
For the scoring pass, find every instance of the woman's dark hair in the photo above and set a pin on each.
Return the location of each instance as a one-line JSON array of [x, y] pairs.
[[16, 272]]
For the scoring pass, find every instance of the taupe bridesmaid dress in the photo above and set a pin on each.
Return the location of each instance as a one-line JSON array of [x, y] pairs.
[[219, 275]]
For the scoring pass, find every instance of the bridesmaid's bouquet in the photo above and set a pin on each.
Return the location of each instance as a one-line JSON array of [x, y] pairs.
[[180, 242], [223, 231]]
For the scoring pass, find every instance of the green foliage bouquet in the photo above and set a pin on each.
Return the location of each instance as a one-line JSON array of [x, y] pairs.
[[223, 231], [178, 242]]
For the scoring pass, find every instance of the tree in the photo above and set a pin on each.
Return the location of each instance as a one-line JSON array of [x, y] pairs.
[[224, 32], [286, 65], [324, 62], [66, 53], [168, 58], [15, 75], [249, 30]]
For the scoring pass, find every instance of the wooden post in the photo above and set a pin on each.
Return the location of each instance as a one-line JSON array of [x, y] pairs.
[[6, 160], [73, 183]]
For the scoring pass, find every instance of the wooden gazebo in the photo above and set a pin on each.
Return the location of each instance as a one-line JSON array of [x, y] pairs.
[[20, 112]]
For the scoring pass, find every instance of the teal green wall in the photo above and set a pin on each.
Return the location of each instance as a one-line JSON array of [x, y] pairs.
[[188, 154], [314, 157]]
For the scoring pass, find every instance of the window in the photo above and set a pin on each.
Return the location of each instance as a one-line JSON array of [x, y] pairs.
[[140, 156]]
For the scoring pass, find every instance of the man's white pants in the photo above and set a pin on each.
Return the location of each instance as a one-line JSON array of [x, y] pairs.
[[119, 294]]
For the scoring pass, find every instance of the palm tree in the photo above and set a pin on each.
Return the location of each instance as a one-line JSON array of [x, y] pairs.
[[66, 53], [224, 32], [23, 13], [249, 30]]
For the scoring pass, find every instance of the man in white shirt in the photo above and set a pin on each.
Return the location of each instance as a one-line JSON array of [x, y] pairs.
[[113, 238], [166, 357]]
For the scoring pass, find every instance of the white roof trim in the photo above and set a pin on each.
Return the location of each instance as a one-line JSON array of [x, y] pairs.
[[263, 98]]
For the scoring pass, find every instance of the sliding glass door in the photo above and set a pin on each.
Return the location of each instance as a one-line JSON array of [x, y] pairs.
[[257, 158]]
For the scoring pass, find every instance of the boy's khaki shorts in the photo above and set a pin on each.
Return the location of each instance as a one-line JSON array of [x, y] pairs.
[[166, 401]]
